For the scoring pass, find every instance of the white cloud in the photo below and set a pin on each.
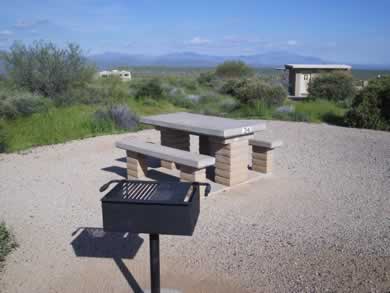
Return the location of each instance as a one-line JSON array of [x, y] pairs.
[[292, 42], [5, 33], [198, 41]]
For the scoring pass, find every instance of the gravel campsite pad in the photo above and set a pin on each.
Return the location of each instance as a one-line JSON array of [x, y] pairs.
[[320, 222]]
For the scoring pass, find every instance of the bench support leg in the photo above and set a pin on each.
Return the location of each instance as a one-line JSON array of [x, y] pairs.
[[261, 159], [192, 174], [136, 165], [231, 160], [174, 139]]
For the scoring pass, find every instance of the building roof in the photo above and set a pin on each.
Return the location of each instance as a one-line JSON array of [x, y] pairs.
[[317, 66]]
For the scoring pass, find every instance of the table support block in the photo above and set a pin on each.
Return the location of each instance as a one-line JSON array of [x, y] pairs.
[[136, 165], [192, 174], [261, 159], [231, 157]]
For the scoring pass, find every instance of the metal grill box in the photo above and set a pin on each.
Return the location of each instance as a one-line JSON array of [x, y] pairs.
[[152, 207]]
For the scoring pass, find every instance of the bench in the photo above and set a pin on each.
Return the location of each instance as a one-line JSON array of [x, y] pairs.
[[262, 154], [192, 166]]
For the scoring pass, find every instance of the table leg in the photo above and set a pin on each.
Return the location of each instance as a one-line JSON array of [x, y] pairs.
[[204, 145], [174, 139], [205, 149], [231, 159]]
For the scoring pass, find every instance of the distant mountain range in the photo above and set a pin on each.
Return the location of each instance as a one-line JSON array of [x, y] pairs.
[[111, 60], [188, 59]]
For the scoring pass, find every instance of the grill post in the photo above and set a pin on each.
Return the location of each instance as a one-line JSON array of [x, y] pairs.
[[154, 242]]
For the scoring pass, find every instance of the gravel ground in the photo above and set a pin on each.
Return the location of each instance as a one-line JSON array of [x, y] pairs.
[[321, 222]]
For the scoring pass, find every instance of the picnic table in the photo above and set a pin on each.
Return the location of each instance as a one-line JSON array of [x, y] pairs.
[[223, 138]]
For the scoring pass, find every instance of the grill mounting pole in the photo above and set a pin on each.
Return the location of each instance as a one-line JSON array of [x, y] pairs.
[[154, 242]]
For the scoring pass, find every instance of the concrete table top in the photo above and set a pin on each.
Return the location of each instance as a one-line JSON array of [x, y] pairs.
[[204, 125]]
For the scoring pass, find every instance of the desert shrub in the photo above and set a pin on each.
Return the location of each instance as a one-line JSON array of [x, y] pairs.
[[27, 104], [109, 91], [188, 83], [371, 107], [182, 101], [123, 117], [215, 104], [252, 90], [336, 86], [232, 86], [120, 115], [20, 103], [206, 78], [7, 242], [228, 105], [233, 69], [3, 137], [151, 88], [47, 69], [7, 109]]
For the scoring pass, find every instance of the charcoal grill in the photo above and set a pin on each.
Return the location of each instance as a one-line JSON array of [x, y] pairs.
[[170, 208]]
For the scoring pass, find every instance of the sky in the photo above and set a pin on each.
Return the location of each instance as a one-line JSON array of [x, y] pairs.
[[348, 31]]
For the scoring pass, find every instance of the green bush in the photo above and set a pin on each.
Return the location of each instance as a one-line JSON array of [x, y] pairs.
[[181, 101], [20, 103], [335, 86], [206, 78], [252, 90], [371, 107], [3, 138], [151, 88], [48, 70], [232, 86], [7, 242], [183, 82], [233, 69]]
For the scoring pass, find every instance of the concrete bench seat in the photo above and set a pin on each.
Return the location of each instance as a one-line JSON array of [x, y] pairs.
[[192, 166], [262, 154]]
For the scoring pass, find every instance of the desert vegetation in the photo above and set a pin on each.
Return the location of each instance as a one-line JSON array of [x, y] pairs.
[[51, 95], [7, 242]]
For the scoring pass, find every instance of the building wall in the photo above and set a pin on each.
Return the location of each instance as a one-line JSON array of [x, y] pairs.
[[291, 83], [299, 79]]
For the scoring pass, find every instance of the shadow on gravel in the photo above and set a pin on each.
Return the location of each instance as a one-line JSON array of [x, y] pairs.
[[116, 170], [94, 242], [160, 176], [152, 162]]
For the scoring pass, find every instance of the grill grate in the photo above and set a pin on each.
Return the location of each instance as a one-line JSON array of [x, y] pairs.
[[150, 192], [138, 190]]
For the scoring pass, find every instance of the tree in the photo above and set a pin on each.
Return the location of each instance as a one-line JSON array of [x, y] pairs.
[[335, 86], [371, 107], [44, 68], [252, 90], [151, 88], [233, 69]]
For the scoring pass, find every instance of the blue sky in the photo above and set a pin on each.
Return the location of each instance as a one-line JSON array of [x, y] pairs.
[[342, 31]]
